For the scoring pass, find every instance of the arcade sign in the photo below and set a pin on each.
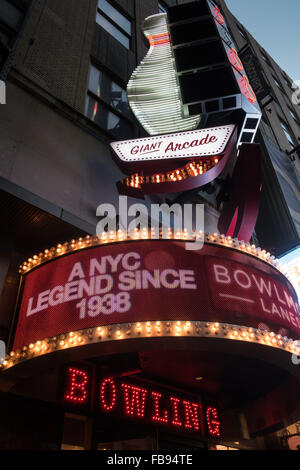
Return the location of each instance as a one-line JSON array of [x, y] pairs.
[[198, 143], [140, 402], [174, 162]]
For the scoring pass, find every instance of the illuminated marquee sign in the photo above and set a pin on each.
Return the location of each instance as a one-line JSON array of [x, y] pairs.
[[152, 281], [174, 162], [141, 402]]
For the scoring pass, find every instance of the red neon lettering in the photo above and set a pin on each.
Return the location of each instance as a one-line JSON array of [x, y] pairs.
[[77, 391], [191, 415], [175, 402], [235, 60], [157, 415], [213, 421], [247, 90], [218, 15], [135, 398], [108, 394]]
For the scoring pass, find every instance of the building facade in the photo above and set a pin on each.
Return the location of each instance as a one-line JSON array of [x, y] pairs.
[[278, 224], [66, 66]]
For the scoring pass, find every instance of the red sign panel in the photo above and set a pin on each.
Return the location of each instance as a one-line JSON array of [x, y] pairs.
[[153, 280], [141, 402]]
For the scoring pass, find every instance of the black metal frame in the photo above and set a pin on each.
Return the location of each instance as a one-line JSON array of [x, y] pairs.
[[101, 12]]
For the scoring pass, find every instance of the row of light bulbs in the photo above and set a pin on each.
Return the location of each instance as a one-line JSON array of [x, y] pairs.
[[146, 234], [190, 170], [150, 329]]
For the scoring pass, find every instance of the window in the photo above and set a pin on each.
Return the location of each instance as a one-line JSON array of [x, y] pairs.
[[293, 115], [287, 133], [107, 104], [278, 84], [242, 33], [286, 79], [288, 83], [114, 22], [5, 36], [11, 15], [161, 8], [266, 58]]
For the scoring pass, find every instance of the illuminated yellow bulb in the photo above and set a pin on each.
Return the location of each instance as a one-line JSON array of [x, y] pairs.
[[158, 323], [119, 333], [99, 329], [31, 346], [138, 326]]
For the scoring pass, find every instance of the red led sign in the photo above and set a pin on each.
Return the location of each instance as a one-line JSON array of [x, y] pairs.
[[144, 403], [77, 388], [153, 280]]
